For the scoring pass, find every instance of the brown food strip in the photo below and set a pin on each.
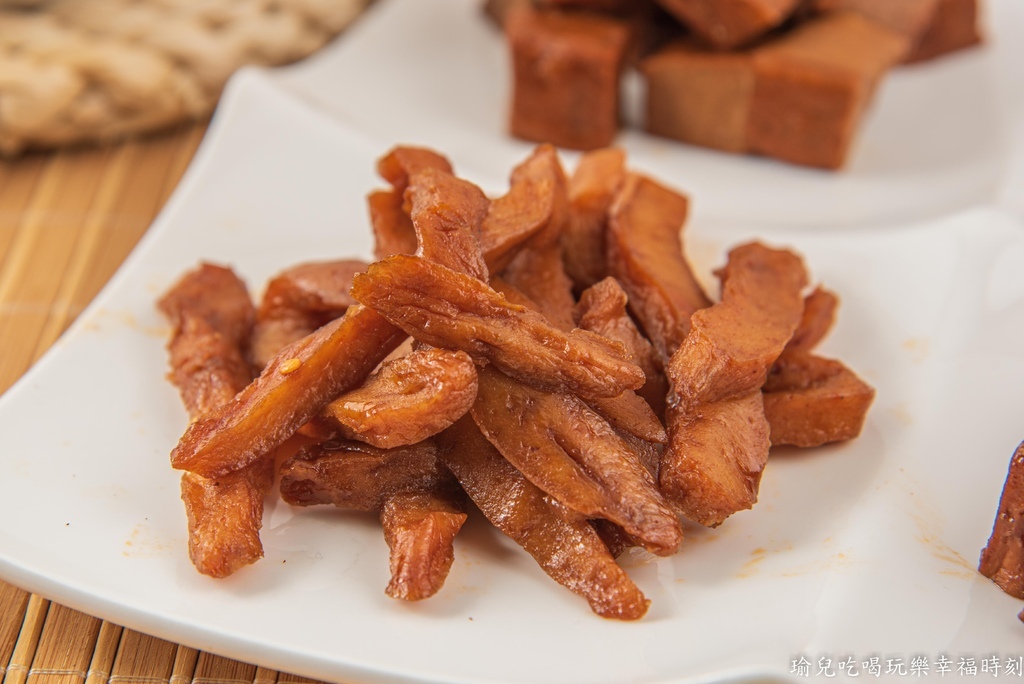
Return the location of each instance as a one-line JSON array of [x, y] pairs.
[[628, 412], [1002, 559], [592, 188], [393, 232], [421, 506], [571, 453], [317, 287], [645, 254], [733, 344], [402, 161], [211, 311], [407, 399], [359, 477], [712, 467], [728, 24], [602, 309], [393, 228], [298, 301], [538, 273], [819, 315], [224, 516], [420, 529], [569, 551], [718, 435], [293, 388], [533, 204], [443, 308], [566, 72], [810, 400], [215, 295], [538, 270], [447, 213], [206, 367], [813, 84], [954, 26], [615, 539]]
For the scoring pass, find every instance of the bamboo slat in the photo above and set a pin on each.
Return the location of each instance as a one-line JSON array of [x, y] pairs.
[[17, 189], [13, 602], [28, 288], [28, 640], [143, 659], [66, 647], [214, 669], [184, 665], [139, 201], [265, 676], [103, 654]]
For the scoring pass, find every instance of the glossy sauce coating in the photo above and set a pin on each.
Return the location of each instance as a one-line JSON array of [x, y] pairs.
[[718, 434]]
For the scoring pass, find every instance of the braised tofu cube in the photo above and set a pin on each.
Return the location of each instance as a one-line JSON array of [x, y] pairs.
[[566, 72], [727, 24], [954, 26], [699, 96], [910, 18], [813, 84]]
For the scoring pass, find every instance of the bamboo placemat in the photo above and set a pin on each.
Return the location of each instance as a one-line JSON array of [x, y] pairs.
[[67, 221]]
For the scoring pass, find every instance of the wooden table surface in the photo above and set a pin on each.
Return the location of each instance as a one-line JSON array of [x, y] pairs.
[[67, 221]]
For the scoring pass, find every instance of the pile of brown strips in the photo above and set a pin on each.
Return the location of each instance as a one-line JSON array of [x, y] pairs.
[[566, 373]]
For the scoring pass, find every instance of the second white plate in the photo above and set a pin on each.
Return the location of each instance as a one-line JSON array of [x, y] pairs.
[[937, 139]]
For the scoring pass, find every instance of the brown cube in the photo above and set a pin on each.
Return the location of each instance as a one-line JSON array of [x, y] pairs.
[[907, 17], [699, 96], [954, 26], [566, 72], [728, 24], [813, 84]]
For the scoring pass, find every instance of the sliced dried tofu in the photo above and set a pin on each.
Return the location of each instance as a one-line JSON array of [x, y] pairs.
[[592, 187], [602, 309], [569, 550], [444, 308], [359, 477], [1002, 559], [574, 455], [292, 388], [402, 161], [212, 316], [420, 528], [819, 316], [298, 301], [810, 400], [407, 399], [393, 232], [718, 434], [534, 201], [447, 213], [645, 254]]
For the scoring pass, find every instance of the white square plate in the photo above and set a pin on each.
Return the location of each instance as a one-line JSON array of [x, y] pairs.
[[863, 549]]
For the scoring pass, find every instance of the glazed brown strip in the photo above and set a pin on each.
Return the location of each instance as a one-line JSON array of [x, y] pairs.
[[718, 434], [212, 313], [568, 550], [571, 453], [293, 388], [447, 309]]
